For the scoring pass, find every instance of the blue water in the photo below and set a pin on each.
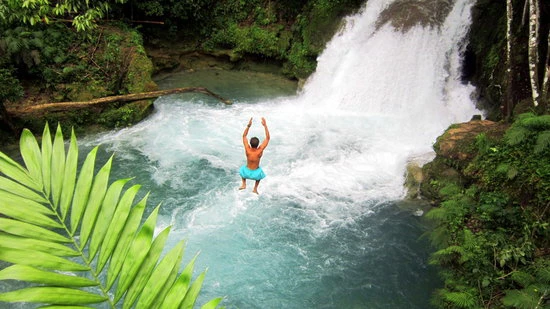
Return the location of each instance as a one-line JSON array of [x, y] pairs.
[[301, 243]]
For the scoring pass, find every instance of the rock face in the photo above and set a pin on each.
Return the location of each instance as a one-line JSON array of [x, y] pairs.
[[458, 143], [454, 151]]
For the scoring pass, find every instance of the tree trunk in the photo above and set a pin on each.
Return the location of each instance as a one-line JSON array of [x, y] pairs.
[[509, 102], [525, 13], [533, 50], [545, 82], [119, 98], [5, 121]]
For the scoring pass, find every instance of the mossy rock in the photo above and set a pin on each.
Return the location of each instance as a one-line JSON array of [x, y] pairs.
[[126, 115], [437, 174], [458, 143]]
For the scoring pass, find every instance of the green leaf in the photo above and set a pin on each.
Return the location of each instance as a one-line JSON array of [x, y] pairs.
[[96, 198], [31, 274], [523, 299], [27, 204], [543, 141], [18, 189], [170, 281], [136, 254], [61, 296], [193, 293], [32, 231], [32, 156], [69, 177], [105, 215], [159, 276], [146, 269], [38, 259], [180, 288], [16, 172], [125, 240], [116, 226], [46, 159], [38, 232], [58, 167], [65, 307], [82, 190], [25, 210], [54, 248], [461, 299], [212, 304]]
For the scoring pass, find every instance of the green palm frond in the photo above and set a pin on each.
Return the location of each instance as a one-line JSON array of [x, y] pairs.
[[75, 239]]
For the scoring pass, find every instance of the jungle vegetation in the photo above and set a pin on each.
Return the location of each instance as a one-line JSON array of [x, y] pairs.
[[492, 218], [492, 225]]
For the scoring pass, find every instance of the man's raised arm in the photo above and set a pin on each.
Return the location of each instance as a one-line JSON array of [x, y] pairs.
[[245, 133], [267, 137]]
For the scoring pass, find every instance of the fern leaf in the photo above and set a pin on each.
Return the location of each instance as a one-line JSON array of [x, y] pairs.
[[461, 299], [446, 255], [543, 141], [522, 299], [536, 123], [527, 115], [437, 214], [515, 135], [523, 278], [543, 272]]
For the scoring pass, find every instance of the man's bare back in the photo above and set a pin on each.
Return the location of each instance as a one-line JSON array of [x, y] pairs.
[[254, 153]]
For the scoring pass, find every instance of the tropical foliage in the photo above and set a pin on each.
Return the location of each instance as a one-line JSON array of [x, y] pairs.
[[493, 229], [75, 239], [84, 13]]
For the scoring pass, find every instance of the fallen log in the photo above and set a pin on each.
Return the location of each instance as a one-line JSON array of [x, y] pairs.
[[118, 98]]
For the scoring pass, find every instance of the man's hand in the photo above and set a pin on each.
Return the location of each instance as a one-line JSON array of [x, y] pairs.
[[263, 122], [250, 122]]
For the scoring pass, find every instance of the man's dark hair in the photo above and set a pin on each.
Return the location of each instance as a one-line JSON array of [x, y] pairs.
[[254, 142]]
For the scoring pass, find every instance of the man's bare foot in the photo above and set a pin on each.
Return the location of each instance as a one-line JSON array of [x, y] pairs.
[[255, 191], [242, 188]]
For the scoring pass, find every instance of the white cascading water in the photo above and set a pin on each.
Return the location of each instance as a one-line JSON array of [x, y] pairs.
[[319, 232]]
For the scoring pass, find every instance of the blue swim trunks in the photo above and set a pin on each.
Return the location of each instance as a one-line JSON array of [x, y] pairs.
[[246, 173]]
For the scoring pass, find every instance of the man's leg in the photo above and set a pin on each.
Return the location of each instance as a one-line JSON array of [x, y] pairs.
[[243, 185], [256, 187]]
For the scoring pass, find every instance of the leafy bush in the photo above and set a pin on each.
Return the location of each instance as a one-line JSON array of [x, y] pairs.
[[10, 88], [495, 229]]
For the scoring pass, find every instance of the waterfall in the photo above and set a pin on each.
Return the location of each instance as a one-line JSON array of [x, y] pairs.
[[323, 233]]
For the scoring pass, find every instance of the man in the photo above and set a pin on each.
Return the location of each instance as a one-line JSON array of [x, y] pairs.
[[252, 169]]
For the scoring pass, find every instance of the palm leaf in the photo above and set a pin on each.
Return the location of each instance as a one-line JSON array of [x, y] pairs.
[[46, 159], [74, 239]]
